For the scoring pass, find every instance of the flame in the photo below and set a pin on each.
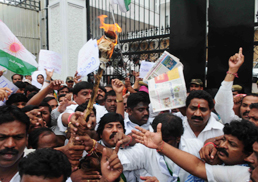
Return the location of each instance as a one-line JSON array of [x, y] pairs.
[[109, 41], [108, 27]]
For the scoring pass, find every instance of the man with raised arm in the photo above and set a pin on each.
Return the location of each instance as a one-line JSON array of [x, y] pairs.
[[235, 146], [224, 98]]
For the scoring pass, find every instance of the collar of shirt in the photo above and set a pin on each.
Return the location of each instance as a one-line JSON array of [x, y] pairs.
[[129, 125], [212, 124]]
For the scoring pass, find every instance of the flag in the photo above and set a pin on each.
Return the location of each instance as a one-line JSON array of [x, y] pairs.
[[123, 4], [13, 55]]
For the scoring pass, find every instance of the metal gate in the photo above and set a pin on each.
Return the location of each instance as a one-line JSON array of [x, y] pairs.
[[145, 33]]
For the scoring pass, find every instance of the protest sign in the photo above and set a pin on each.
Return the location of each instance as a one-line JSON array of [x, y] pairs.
[[4, 82], [168, 91], [165, 63], [50, 60], [88, 58], [145, 68]]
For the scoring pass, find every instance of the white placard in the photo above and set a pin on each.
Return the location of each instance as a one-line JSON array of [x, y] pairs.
[[50, 60], [145, 68], [4, 82], [88, 58]]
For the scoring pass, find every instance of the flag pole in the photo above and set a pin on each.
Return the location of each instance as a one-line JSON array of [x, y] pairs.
[[118, 42]]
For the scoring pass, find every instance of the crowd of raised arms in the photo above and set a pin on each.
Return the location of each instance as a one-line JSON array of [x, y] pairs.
[[46, 134]]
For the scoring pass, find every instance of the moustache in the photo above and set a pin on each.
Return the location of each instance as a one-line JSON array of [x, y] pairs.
[[100, 95], [246, 112], [197, 117], [223, 151], [9, 151], [112, 135]]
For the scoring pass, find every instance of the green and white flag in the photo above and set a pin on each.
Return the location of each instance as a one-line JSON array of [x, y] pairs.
[[13, 55], [123, 4]]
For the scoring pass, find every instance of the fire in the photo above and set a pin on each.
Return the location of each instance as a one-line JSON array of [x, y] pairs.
[[108, 41], [108, 27]]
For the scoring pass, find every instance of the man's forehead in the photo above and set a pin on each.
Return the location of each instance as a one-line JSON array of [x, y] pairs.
[[141, 104], [111, 97], [113, 123], [13, 127], [197, 101], [232, 138], [250, 99], [86, 90]]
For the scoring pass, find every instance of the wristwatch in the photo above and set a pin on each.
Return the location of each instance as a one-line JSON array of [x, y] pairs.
[[119, 101]]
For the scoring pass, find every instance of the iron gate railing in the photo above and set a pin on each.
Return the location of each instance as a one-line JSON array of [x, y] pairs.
[[145, 35], [26, 4]]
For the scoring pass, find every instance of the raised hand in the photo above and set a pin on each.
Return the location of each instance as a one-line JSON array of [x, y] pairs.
[[4, 93], [35, 119], [147, 138], [56, 84], [49, 74], [76, 78], [127, 82], [73, 153], [117, 85], [64, 104], [236, 61], [111, 167]]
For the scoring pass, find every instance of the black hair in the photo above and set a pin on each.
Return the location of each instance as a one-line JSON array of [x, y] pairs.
[[17, 74], [245, 131], [17, 97], [47, 99], [63, 87], [83, 106], [39, 75], [30, 88], [31, 95], [29, 108], [34, 136], [110, 93], [62, 95], [10, 113], [200, 94], [254, 106], [136, 98], [43, 103], [171, 125], [81, 85], [47, 162], [108, 118], [20, 84], [103, 88]]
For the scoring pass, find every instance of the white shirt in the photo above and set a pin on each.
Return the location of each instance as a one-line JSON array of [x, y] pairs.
[[100, 111], [211, 130], [224, 103], [16, 178], [218, 173], [129, 125], [141, 157]]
